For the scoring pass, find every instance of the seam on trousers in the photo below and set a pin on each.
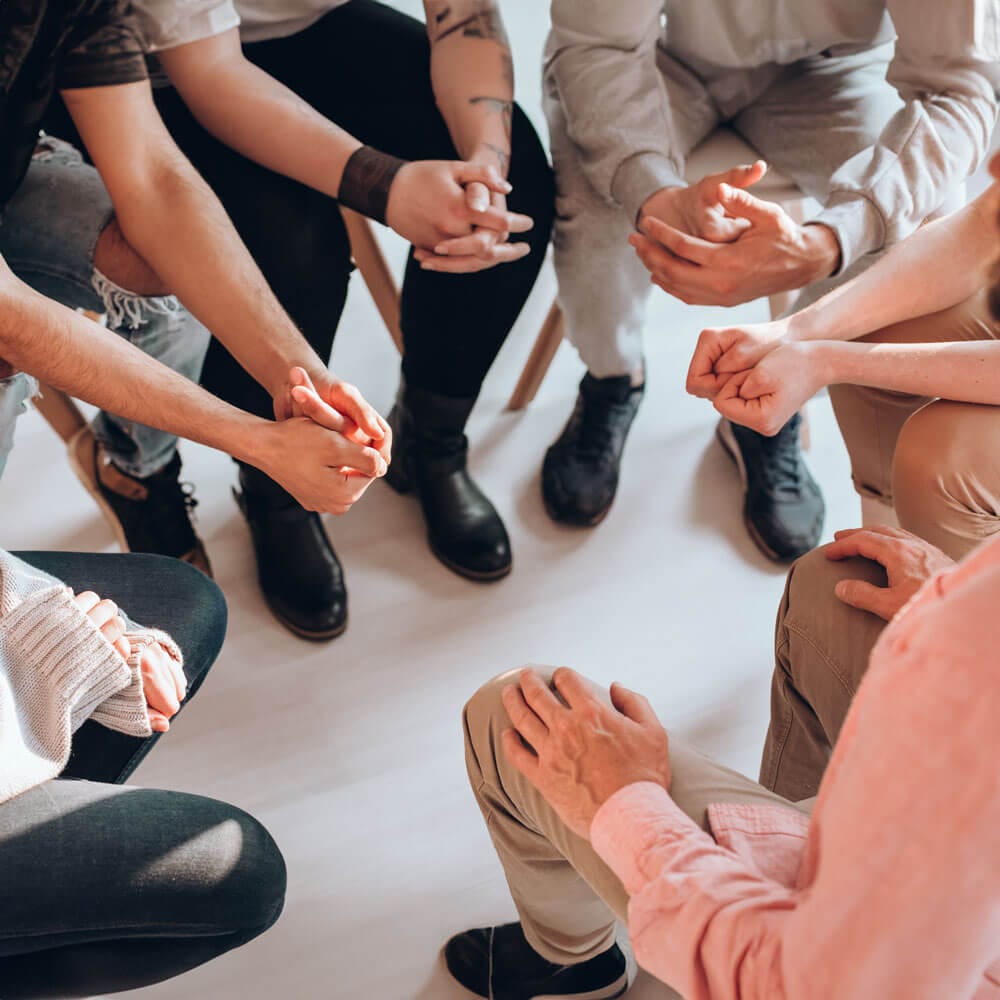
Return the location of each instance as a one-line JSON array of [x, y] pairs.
[[834, 668]]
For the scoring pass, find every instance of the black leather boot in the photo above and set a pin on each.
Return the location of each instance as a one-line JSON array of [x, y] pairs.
[[430, 451], [299, 573]]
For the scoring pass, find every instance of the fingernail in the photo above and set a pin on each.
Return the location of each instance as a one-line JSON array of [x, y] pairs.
[[507, 187], [442, 250]]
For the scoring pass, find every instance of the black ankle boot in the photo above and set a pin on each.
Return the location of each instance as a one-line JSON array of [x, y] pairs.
[[299, 573], [430, 451], [581, 469]]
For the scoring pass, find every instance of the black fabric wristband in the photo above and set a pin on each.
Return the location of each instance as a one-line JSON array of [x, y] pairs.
[[368, 176]]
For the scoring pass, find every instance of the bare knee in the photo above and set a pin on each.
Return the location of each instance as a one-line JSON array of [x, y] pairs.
[[116, 259]]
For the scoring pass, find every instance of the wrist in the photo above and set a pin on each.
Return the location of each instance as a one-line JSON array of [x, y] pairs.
[[492, 154], [245, 438], [824, 358], [663, 199], [367, 180], [823, 249], [804, 326]]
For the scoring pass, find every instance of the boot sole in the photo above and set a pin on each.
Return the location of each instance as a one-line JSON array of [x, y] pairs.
[[726, 438], [477, 576], [297, 629], [582, 525], [401, 484]]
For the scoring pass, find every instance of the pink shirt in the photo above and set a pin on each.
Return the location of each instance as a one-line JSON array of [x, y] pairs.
[[891, 890]]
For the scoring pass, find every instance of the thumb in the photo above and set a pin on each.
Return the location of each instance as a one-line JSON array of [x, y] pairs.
[[744, 205], [299, 376], [744, 175], [477, 196], [632, 705], [481, 173], [865, 596], [308, 404]]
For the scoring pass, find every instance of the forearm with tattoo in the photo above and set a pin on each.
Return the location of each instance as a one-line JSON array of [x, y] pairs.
[[473, 76]]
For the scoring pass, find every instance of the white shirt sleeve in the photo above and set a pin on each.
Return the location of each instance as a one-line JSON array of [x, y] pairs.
[[601, 65], [165, 24], [947, 71]]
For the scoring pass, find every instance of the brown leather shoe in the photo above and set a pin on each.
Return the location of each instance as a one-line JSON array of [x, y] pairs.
[[145, 515]]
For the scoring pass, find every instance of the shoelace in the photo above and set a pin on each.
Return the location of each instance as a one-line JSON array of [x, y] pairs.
[[781, 469], [190, 500]]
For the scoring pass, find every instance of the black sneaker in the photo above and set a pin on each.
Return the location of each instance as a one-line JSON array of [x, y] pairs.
[[145, 515], [580, 472], [497, 962], [783, 507]]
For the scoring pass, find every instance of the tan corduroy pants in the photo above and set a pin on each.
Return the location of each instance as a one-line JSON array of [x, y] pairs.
[[566, 897]]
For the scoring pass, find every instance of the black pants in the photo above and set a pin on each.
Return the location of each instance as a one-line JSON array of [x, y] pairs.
[[367, 68], [107, 888]]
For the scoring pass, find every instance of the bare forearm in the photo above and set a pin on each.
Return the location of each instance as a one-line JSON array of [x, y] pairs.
[[83, 359], [473, 77], [967, 372], [257, 115], [940, 265], [170, 216], [186, 237]]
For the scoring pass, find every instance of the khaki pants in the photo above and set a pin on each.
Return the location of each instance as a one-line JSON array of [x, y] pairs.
[[567, 898], [937, 462]]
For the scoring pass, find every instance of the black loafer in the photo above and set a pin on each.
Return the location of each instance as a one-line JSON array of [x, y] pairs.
[[580, 472], [497, 962], [300, 575], [783, 507]]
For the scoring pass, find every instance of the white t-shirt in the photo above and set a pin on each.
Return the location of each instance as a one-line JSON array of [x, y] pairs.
[[165, 24]]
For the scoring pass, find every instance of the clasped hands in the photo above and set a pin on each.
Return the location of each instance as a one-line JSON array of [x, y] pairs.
[[164, 684], [714, 243], [328, 444], [455, 215]]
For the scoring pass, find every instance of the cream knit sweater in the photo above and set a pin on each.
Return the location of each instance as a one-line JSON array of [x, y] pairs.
[[56, 671]]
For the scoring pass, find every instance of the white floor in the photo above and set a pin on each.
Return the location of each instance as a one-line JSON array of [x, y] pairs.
[[351, 753]]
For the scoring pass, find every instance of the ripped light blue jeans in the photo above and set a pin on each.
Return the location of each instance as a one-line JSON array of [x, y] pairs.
[[48, 233]]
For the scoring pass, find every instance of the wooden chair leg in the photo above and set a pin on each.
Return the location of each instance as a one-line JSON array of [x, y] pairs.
[[375, 271], [549, 338], [60, 411]]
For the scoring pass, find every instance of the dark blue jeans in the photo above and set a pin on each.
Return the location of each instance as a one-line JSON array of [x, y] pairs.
[[106, 888]]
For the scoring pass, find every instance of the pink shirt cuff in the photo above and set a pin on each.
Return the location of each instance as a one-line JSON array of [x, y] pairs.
[[635, 819]]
